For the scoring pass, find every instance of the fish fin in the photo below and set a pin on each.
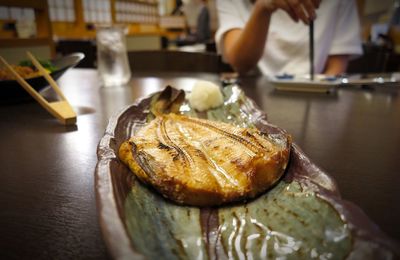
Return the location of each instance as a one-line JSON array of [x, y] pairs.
[[167, 101]]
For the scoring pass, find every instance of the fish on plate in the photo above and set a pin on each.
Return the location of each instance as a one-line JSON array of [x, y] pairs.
[[200, 162]]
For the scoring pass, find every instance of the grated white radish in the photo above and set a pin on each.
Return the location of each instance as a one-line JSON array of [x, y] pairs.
[[205, 95]]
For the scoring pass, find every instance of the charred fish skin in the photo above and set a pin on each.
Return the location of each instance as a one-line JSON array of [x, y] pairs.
[[204, 163]]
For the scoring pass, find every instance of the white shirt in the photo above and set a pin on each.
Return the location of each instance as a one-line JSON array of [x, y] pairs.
[[336, 31]]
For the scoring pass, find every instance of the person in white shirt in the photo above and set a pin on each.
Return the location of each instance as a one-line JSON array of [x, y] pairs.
[[274, 35]]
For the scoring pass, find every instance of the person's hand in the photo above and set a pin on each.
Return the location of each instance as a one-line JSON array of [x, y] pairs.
[[303, 10]]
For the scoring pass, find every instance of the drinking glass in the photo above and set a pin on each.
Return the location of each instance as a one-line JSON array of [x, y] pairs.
[[112, 59]]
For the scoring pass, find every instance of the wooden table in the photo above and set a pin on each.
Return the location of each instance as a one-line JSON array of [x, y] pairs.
[[47, 193]]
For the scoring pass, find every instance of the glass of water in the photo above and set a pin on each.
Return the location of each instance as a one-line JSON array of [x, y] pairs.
[[112, 58]]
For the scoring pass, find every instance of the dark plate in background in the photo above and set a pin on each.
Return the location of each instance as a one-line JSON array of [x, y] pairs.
[[12, 92]]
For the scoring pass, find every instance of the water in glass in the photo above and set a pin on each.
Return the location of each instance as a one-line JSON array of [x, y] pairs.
[[112, 60]]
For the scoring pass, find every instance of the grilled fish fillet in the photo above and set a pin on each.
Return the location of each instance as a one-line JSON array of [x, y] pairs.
[[204, 163]]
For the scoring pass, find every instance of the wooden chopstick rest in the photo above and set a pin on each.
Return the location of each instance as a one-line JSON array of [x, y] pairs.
[[61, 110]]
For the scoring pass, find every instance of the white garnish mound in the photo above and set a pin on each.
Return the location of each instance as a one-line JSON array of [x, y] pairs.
[[205, 95]]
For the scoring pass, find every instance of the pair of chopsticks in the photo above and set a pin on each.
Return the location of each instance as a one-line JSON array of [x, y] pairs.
[[62, 110], [311, 27]]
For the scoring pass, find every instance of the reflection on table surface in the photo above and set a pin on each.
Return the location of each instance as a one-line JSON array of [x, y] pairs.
[[47, 180]]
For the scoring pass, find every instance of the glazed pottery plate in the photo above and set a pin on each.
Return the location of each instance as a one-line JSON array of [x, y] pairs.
[[302, 217], [13, 92]]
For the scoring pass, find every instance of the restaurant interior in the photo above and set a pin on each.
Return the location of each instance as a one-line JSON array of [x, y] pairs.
[[66, 194], [55, 28]]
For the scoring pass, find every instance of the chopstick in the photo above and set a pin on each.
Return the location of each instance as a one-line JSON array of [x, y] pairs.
[[62, 110], [311, 27], [46, 75]]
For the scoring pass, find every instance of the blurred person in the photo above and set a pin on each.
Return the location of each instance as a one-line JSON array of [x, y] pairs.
[[178, 8], [395, 19], [198, 19], [274, 35], [203, 32]]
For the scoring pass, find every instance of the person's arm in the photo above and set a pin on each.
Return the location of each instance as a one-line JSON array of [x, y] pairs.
[[244, 47], [336, 64]]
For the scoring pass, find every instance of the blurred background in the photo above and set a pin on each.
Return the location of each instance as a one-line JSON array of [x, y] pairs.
[[51, 28]]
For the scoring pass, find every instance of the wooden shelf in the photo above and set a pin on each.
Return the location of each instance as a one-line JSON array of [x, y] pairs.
[[19, 42], [37, 4], [141, 2], [43, 25]]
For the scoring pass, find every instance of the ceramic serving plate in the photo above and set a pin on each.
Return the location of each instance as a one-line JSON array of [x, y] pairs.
[[302, 217], [302, 83], [12, 92]]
